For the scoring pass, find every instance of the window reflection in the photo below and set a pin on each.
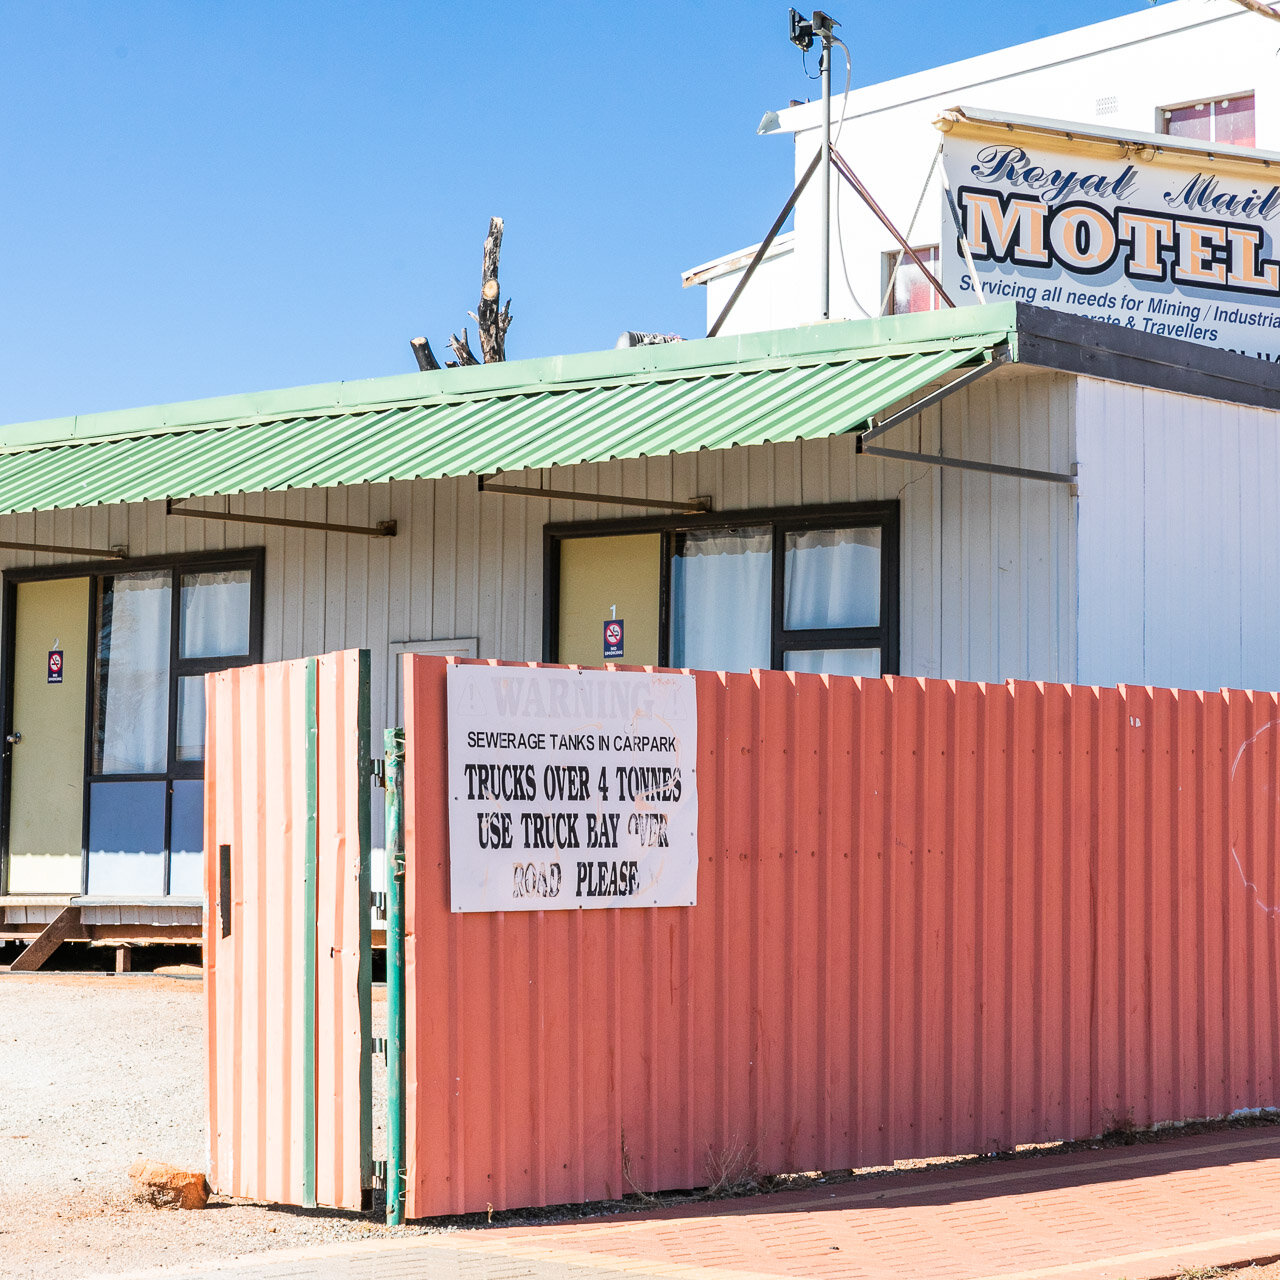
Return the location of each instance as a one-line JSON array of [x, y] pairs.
[[1229, 120], [190, 743], [126, 837], [186, 839]]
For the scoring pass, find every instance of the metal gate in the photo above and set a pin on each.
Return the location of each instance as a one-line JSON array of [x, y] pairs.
[[287, 941]]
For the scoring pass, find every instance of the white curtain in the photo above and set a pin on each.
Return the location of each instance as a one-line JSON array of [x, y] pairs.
[[832, 579], [720, 600], [215, 614], [133, 674]]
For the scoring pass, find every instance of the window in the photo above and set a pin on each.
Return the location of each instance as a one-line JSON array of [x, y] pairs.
[[721, 599], [1228, 120], [157, 632], [804, 590], [911, 288]]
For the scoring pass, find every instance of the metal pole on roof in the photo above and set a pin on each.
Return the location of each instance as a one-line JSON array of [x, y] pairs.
[[826, 171], [822, 25]]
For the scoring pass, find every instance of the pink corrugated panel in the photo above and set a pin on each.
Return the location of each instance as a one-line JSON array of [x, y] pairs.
[[288, 1069], [932, 918], [343, 1061], [255, 803]]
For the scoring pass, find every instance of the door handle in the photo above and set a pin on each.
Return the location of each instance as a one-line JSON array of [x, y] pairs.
[[15, 736], [224, 888]]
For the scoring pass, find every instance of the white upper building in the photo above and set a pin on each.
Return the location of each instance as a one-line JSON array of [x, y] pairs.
[[1198, 69]]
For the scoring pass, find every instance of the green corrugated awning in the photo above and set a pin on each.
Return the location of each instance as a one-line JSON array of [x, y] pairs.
[[676, 405]]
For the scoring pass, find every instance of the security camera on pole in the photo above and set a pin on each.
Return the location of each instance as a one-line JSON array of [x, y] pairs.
[[803, 33]]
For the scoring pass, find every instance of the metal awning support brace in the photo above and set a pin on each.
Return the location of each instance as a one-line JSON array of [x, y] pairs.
[[106, 553], [1000, 356], [972, 464], [383, 529], [690, 506]]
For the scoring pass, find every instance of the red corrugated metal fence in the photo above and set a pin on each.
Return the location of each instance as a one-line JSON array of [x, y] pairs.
[[932, 918]]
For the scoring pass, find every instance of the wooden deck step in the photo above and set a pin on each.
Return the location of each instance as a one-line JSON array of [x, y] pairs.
[[54, 934]]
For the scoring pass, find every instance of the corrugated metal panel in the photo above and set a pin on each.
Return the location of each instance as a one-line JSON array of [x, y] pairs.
[[542, 428], [287, 987], [1179, 539], [343, 952], [932, 918], [255, 976]]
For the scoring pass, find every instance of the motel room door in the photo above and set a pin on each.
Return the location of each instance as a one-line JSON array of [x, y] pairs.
[[610, 599], [44, 751]]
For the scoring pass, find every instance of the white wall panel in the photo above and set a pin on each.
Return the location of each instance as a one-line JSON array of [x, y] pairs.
[[1179, 540]]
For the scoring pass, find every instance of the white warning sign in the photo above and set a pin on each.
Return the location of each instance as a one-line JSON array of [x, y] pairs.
[[571, 789]]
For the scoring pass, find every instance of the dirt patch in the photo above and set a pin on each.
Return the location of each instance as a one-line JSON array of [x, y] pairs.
[[97, 1071], [1268, 1270]]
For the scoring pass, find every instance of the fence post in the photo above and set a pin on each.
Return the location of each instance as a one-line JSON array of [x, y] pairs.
[[396, 1173]]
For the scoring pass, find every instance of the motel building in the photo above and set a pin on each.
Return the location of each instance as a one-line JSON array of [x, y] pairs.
[[1199, 74], [1021, 486]]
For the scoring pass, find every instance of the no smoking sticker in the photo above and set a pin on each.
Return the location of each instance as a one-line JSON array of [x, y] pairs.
[[613, 639], [55, 666]]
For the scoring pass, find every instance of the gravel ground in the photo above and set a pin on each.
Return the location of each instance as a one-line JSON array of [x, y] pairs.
[[95, 1071]]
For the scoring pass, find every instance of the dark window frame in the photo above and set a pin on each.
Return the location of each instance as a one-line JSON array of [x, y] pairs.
[[251, 558], [780, 521]]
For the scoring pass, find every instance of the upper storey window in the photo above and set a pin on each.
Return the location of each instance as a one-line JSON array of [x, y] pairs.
[[1228, 120], [911, 288]]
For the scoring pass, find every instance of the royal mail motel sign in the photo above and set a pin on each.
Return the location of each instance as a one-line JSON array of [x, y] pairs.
[[1135, 230]]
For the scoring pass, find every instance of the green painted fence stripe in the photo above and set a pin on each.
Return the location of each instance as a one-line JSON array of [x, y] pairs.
[[364, 773], [310, 926], [394, 777]]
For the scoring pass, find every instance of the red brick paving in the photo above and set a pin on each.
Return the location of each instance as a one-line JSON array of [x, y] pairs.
[[1138, 1211]]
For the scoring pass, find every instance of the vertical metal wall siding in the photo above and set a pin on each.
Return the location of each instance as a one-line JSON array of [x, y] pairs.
[[288, 992], [1168, 590], [932, 918], [255, 976], [343, 1030]]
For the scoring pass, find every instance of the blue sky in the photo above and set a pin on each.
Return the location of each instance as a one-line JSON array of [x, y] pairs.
[[211, 196]]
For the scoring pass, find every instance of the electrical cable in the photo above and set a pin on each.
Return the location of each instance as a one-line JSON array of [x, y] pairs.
[[844, 266], [848, 84]]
